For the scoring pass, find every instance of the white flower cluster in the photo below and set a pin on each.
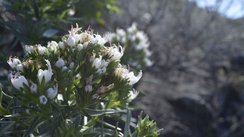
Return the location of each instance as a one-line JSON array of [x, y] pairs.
[[137, 42], [58, 56]]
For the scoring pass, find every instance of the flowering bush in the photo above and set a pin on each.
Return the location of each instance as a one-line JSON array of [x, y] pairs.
[[136, 46], [68, 88]]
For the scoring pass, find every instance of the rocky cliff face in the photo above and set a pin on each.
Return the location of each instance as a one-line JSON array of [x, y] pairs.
[[195, 88]]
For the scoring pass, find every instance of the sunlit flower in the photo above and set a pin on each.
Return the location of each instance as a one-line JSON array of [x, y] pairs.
[[115, 52], [133, 94], [80, 46], [52, 92], [19, 81], [46, 74], [41, 50], [130, 76], [60, 97], [43, 99], [86, 38], [100, 40], [13, 62], [53, 46], [74, 37]]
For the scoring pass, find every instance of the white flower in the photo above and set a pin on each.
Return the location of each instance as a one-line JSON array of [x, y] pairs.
[[93, 39], [52, 92], [13, 62], [46, 74], [100, 64], [59, 63], [77, 38], [19, 81], [133, 94], [80, 46], [61, 45], [97, 62], [41, 50], [53, 46], [29, 49], [60, 97], [140, 35], [115, 52], [86, 37], [73, 37], [132, 29], [109, 36], [121, 35], [71, 12], [33, 87], [134, 79], [88, 88], [71, 41], [19, 67], [100, 40], [43, 99], [130, 76], [148, 62], [147, 52]]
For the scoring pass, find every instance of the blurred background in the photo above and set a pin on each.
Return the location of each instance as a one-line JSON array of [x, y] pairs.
[[195, 87]]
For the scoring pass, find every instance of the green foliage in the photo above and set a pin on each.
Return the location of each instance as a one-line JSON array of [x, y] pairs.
[[146, 128], [36, 21]]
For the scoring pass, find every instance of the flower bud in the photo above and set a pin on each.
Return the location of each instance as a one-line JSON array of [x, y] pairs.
[[19, 81], [43, 99], [46, 74], [61, 45], [59, 63], [52, 92], [80, 46], [71, 41], [33, 88]]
